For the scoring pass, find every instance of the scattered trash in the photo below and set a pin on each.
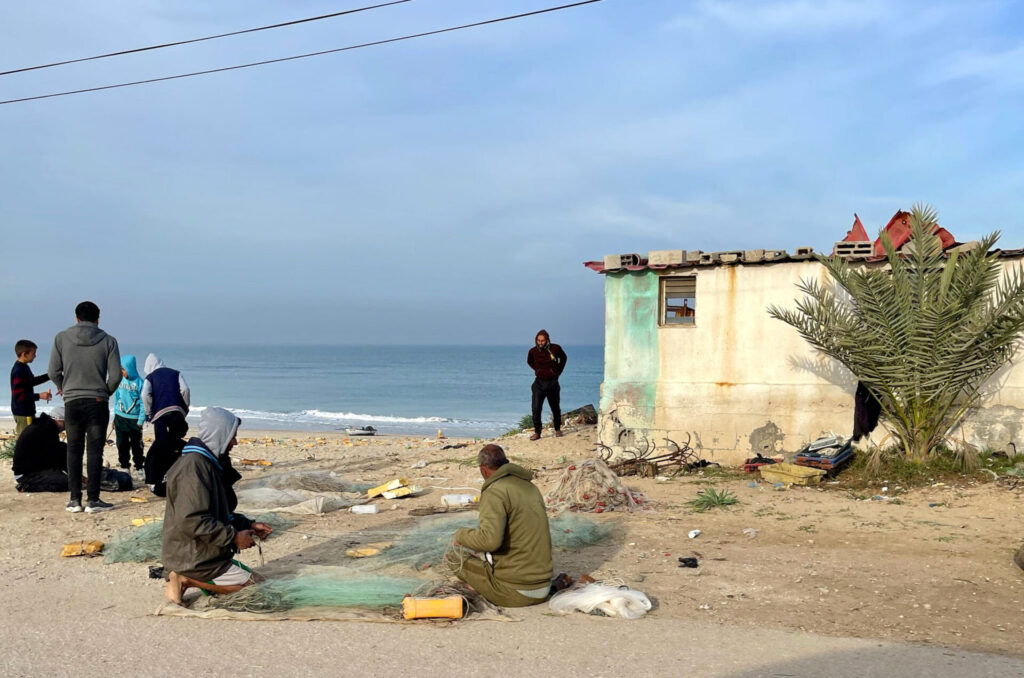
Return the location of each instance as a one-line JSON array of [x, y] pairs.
[[420, 464], [693, 534], [459, 499], [407, 491], [752, 484], [255, 462], [608, 599], [704, 606], [792, 473], [753, 464], [450, 607], [829, 453], [145, 520], [388, 486], [368, 550], [138, 500], [561, 460], [82, 548], [750, 532], [780, 487], [687, 562], [456, 446], [364, 509]]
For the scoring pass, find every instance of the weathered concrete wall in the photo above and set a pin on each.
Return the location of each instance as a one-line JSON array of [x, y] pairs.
[[738, 381]]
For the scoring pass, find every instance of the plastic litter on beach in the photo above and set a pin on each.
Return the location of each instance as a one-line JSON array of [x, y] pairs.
[[609, 599], [255, 462], [81, 548]]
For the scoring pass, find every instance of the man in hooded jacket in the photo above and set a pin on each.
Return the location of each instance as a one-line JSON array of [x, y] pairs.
[[166, 399], [513, 536], [40, 458], [85, 364], [201, 532], [548, 361]]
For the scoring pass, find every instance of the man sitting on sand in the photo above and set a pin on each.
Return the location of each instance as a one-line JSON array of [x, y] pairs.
[[40, 458], [513, 537], [200, 532]]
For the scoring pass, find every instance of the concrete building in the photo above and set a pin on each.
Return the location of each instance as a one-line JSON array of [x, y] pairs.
[[690, 351]]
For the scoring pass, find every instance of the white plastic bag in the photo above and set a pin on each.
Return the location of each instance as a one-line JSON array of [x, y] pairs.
[[613, 601]]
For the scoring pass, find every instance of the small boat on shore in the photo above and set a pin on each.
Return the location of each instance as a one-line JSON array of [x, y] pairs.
[[361, 431]]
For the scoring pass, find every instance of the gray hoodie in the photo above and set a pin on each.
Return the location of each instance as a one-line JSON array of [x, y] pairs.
[[198, 538], [85, 362]]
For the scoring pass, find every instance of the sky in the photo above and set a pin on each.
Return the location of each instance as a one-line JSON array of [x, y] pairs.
[[447, 189]]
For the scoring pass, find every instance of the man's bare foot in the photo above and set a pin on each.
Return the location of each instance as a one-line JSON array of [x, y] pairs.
[[175, 588]]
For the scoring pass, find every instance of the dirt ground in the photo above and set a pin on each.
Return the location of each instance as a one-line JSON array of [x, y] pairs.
[[932, 567]]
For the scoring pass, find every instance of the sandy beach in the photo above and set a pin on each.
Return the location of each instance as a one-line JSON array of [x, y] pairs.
[[830, 584]]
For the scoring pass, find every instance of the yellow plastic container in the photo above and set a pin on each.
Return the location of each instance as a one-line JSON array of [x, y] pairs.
[[432, 608], [791, 473]]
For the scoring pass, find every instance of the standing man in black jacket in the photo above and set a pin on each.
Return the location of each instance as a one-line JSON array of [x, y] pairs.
[[85, 364], [548, 362]]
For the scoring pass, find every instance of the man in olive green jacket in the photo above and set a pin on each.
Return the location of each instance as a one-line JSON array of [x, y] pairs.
[[513, 538]]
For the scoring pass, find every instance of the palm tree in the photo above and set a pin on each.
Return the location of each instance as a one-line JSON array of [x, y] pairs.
[[923, 333]]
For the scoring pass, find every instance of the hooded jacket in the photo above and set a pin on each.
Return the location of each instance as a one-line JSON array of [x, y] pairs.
[[198, 534], [85, 362], [128, 397], [164, 390], [513, 529], [547, 362], [39, 448]]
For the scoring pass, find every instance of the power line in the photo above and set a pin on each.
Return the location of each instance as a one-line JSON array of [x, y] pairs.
[[304, 56], [209, 37]]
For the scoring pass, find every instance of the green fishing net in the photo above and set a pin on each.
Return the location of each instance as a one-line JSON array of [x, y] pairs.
[[327, 587], [425, 544], [144, 544]]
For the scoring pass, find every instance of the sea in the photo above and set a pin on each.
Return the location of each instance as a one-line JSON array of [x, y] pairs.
[[465, 391]]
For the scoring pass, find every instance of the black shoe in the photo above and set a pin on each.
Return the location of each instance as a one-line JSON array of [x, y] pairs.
[[97, 506], [74, 506]]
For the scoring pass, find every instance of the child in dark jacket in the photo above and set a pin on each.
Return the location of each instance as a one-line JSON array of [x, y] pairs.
[[129, 415], [23, 383]]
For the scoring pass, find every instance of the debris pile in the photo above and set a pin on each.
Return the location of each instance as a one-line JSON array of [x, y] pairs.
[[591, 486]]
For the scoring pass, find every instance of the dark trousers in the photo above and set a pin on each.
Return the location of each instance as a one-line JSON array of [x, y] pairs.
[[129, 442], [546, 388], [43, 481], [86, 426], [171, 425]]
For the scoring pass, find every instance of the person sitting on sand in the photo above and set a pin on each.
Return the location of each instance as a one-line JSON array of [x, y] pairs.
[[201, 533], [513, 536], [40, 458]]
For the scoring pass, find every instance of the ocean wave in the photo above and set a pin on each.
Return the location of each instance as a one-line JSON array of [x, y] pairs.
[[327, 417]]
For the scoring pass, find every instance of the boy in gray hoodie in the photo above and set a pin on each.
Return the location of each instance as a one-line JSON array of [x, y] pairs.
[[85, 364]]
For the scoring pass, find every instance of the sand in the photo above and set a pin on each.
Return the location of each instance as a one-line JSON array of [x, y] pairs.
[[824, 571]]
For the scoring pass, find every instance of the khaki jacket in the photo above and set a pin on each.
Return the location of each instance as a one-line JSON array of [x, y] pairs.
[[513, 529]]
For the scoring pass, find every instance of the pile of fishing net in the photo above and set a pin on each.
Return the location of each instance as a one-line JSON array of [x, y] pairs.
[[310, 492], [144, 544], [591, 486]]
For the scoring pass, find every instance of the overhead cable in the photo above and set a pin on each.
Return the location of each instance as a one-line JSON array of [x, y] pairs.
[[304, 56], [209, 37]]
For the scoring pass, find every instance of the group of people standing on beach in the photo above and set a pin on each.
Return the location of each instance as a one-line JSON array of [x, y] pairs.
[[202, 531], [87, 368]]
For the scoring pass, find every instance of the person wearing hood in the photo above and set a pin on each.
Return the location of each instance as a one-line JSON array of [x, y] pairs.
[[129, 416], [85, 365], [548, 361], [201, 532], [40, 458], [513, 536], [166, 399]]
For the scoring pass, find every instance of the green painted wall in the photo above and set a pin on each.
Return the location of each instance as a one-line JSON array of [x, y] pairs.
[[631, 363]]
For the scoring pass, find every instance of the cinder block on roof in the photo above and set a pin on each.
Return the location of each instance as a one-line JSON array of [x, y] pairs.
[[774, 255], [854, 249], [666, 257], [694, 256], [753, 256], [730, 256], [708, 257], [804, 253], [613, 261]]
